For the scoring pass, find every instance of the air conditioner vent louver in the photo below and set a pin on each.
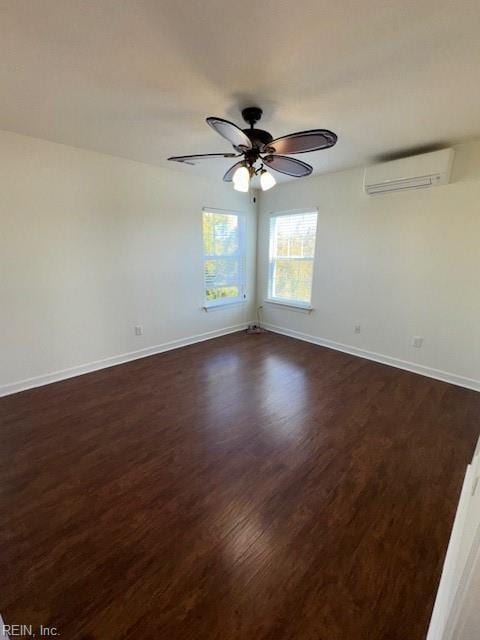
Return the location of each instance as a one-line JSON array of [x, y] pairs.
[[416, 172]]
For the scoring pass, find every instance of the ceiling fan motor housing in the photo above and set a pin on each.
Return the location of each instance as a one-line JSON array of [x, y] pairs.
[[258, 137]]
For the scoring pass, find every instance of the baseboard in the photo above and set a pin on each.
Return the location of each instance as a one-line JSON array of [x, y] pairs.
[[63, 374], [56, 376], [421, 369]]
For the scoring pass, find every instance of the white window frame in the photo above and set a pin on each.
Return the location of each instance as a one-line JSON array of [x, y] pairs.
[[287, 302], [240, 255]]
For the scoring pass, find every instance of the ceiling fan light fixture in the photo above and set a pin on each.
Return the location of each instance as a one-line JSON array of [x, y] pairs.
[[258, 147], [267, 181], [241, 179]]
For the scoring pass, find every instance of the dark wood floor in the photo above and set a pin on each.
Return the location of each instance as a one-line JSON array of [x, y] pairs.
[[253, 488]]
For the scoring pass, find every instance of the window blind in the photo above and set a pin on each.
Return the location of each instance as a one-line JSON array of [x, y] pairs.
[[292, 252], [224, 257]]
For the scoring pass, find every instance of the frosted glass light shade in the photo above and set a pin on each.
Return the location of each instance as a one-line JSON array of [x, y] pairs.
[[267, 181], [241, 179]]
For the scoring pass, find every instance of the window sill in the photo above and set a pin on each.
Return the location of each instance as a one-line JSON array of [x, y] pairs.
[[221, 305], [294, 306]]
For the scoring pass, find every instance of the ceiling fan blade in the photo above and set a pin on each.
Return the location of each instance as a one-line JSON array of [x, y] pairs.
[[303, 141], [231, 132], [289, 166], [202, 156], [229, 175]]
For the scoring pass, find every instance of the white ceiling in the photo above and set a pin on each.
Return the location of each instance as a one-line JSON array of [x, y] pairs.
[[136, 78]]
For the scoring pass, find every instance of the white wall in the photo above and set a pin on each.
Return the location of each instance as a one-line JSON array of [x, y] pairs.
[[400, 264], [91, 245], [466, 621]]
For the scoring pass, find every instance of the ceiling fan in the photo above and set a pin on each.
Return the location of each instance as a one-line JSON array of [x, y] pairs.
[[257, 150]]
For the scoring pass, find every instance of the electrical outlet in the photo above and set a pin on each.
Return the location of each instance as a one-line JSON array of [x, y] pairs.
[[358, 328], [417, 342], [139, 330]]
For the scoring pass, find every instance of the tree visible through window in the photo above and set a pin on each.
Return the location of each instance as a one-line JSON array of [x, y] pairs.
[[224, 257], [292, 252]]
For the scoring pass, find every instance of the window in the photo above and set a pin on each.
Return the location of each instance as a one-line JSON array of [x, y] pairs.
[[224, 257], [292, 251]]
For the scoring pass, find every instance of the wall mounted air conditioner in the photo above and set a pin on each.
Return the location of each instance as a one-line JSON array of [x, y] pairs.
[[415, 172]]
